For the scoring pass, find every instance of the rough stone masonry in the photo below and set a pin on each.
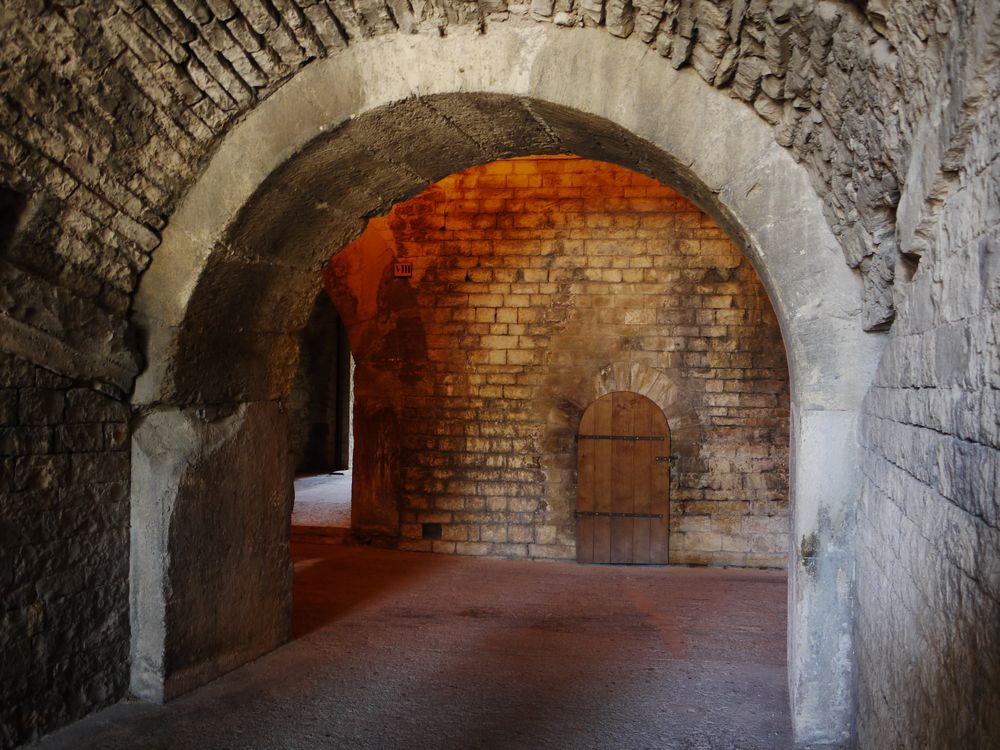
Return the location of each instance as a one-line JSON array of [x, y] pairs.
[[110, 110], [113, 107]]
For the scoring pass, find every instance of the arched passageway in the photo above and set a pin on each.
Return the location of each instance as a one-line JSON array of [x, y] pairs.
[[240, 263], [489, 310], [320, 429]]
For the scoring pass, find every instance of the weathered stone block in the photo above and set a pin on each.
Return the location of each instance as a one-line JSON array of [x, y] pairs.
[[40, 406], [84, 405], [40, 472], [8, 406], [77, 438], [24, 441]]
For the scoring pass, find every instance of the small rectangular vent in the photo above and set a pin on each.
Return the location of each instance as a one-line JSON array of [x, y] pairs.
[[432, 530]]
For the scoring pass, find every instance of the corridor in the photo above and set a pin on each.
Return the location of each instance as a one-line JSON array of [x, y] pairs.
[[409, 650]]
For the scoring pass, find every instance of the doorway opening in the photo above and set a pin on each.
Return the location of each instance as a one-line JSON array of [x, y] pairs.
[[320, 435], [222, 323]]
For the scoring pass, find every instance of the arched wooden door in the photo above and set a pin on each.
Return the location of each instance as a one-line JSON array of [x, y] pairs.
[[623, 482]]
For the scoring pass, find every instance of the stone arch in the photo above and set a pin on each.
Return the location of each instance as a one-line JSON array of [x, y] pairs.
[[662, 390], [667, 393], [344, 140], [647, 381], [637, 377]]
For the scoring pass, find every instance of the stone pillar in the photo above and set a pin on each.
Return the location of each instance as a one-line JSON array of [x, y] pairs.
[[825, 480], [210, 564]]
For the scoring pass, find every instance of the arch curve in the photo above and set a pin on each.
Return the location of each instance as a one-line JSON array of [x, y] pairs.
[[345, 139], [340, 142]]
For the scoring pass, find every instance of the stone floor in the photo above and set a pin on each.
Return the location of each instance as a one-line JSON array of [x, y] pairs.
[[323, 500], [406, 650]]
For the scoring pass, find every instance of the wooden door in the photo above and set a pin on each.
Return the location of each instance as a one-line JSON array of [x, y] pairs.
[[623, 482]]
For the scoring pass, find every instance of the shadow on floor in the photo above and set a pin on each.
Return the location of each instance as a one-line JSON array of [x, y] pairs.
[[326, 588], [399, 650]]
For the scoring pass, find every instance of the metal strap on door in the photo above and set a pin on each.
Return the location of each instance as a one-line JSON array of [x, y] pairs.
[[610, 514], [633, 438]]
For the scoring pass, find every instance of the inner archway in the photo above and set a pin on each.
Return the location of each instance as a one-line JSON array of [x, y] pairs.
[[488, 311], [320, 429], [219, 368]]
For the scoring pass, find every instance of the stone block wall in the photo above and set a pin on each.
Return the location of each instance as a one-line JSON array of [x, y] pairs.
[[64, 519], [114, 106], [538, 285], [929, 553]]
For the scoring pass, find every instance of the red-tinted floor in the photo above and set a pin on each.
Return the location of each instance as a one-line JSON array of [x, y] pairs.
[[401, 650]]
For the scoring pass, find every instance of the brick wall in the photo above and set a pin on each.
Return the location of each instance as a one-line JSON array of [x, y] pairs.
[[538, 285], [64, 517]]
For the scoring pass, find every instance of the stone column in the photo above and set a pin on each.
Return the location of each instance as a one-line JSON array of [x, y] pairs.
[[825, 480], [210, 563]]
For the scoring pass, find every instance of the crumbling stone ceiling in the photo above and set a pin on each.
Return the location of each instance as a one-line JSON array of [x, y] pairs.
[[110, 109]]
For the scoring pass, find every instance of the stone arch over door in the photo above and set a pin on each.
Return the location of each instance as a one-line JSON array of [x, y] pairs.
[[346, 138], [663, 390]]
